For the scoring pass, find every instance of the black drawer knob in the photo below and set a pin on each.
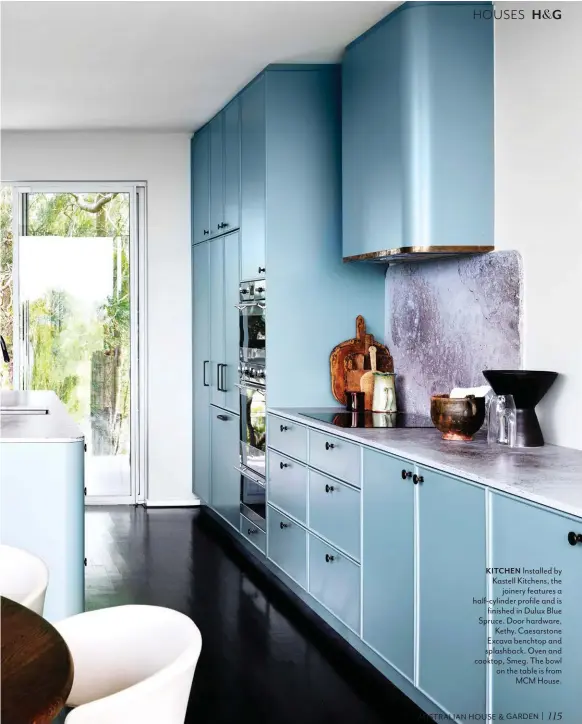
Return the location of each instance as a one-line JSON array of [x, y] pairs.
[[328, 558], [329, 488], [406, 474], [283, 428], [574, 538], [417, 479], [206, 231], [283, 525], [252, 531], [262, 270], [329, 446], [283, 465]]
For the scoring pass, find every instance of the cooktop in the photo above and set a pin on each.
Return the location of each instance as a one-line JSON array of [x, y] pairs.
[[344, 418]]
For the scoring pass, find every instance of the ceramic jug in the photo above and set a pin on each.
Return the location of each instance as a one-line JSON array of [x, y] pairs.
[[384, 399]]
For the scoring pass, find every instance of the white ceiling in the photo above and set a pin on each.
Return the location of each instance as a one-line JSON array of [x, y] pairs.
[[166, 66]]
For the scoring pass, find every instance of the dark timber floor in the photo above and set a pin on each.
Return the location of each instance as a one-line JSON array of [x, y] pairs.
[[262, 660]]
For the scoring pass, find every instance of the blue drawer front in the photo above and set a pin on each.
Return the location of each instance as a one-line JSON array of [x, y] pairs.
[[287, 485], [288, 437], [287, 545], [335, 456], [334, 581], [253, 533], [334, 512]]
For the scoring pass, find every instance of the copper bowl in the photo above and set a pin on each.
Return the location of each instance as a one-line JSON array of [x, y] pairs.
[[457, 419]]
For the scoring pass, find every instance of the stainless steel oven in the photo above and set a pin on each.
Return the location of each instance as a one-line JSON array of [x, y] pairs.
[[253, 400]]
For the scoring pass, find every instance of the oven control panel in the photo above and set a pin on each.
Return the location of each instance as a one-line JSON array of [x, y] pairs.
[[253, 373], [253, 291]]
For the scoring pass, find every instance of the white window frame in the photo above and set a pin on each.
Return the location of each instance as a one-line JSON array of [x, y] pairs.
[[138, 312]]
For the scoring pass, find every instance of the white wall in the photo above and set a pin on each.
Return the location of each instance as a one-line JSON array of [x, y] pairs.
[[538, 195], [162, 160]]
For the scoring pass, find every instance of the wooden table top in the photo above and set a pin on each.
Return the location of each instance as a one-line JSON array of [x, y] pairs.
[[37, 668]]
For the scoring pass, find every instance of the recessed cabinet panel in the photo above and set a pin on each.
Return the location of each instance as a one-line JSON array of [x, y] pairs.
[[334, 512], [231, 121], [287, 486], [253, 180], [452, 560], [216, 175], [288, 546], [531, 538], [201, 185], [225, 480], [288, 437], [201, 369], [217, 337], [334, 580], [335, 456], [388, 559]]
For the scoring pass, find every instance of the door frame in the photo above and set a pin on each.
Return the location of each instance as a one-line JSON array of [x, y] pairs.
[[138, 314]]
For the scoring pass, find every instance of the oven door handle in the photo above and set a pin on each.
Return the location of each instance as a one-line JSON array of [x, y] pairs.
[[246, 305], [251, 476], [250, 386]]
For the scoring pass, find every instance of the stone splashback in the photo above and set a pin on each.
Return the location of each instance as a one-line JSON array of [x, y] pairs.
[[448, 320]]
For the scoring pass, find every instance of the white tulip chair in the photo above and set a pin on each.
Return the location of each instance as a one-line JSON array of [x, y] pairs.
[[131, 664], [23, 578]]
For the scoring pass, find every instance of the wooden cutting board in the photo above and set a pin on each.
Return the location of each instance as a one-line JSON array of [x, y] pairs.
[[349, 361]]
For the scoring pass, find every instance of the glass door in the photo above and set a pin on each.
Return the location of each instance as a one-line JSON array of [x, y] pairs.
[[77, 322]]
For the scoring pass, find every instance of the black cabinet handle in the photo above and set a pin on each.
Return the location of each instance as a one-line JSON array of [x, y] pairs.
[[262, 270], [85, 491], [283, 428], [222, 417], [417, 479], [283, 465], [328, 558], [283, 525], [574, 538], [85, 561], [204, 382], [252, 531], [406, 474], [329, 488], [206, 231], [220, 377], [329, 446]]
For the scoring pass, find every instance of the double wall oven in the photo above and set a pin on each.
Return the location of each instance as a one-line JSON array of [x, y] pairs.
[[253, 403]]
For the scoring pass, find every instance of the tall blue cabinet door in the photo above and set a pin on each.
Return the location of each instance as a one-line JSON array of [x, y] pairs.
[[231, 321], [371, 159], [451, 560], [217, 342], [388, 559], [216, 175], [201, 369], [231, 121], [530, 538], [200, 185], [225, 495], [253, 180]]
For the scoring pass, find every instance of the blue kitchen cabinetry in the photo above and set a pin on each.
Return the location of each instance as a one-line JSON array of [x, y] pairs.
[[201, 369], [418, 132], [451, 562], [224, 321], [200, 151], [388, 559], [216, 175], [253, 180], [225, 480], [531, 538]]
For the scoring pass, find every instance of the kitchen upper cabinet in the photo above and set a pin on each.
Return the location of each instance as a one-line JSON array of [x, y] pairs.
[[388, 559], [371, 152], [225, 480], [216, 175], [201, 369], [231, 153], [201, 185], [451, 560], [527, 537], [224, 321], [253, 179], [417, 99]]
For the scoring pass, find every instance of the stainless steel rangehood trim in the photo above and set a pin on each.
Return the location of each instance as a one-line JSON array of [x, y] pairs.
[[417, 253]]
